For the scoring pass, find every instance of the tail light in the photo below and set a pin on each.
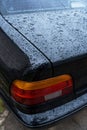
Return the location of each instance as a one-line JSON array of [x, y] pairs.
[[32, 93]]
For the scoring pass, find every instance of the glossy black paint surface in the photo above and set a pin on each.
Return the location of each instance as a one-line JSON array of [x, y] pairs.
[[76, 67], [60, 34], [12, 59], [32, 56], [37, 61]]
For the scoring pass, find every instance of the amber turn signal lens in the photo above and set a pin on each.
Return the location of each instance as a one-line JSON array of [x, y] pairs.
[[31, 93]]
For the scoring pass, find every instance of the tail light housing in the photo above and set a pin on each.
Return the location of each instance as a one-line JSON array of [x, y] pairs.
[[33, 93]]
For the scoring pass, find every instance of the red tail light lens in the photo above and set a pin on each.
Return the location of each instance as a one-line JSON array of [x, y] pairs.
[[38, 92]]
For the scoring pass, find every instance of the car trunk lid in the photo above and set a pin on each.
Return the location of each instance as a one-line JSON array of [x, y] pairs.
[[61, 35], [58, 34]]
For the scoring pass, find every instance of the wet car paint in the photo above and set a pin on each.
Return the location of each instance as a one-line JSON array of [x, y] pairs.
[[45, 57], [37, 65], [58, 34]]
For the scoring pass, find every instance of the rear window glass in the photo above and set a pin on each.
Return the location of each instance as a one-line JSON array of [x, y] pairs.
[[20, 6]]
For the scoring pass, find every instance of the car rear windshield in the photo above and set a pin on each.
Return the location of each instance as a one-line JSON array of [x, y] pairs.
[[20, 6]]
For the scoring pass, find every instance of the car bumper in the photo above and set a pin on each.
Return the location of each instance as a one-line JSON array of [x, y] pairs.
[[50, 117]]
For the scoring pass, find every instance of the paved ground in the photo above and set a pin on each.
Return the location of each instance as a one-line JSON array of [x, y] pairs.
[[76, 122]]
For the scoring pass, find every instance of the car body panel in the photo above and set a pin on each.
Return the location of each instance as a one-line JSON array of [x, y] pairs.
[[62, 37], [37, 62], [54, 115], [77, 68], [51, 43], [12, 59], [58, 34]]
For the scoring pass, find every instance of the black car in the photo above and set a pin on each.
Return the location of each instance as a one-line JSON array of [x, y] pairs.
[[43, 59]]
